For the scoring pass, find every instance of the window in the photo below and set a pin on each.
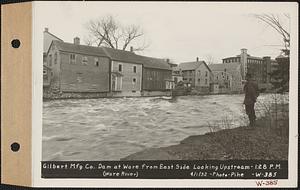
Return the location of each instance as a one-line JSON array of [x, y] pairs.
[[227, 78], [72, 58], [55, 58], [50, 60], [198, 80], [190, 80], [134, 69], [206, 73], [134, 80], [96, 62], [205, 81], [84, 60], [44, 72], [120, 67], [199, 72], [217, 77]]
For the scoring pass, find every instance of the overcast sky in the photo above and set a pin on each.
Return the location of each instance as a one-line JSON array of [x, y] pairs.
[[180, 31]]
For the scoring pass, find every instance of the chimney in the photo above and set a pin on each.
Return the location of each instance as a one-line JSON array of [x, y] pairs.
[[77, 41], [197, 59], [168, 60], [131, 48], [244, 50], [46, 29]]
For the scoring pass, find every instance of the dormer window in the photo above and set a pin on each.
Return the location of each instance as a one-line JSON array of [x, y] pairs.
[[84, 60]]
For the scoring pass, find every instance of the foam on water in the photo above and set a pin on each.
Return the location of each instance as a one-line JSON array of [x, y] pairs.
[[109, 129]]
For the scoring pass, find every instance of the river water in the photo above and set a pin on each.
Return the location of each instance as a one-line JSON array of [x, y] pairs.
[[110, 129]]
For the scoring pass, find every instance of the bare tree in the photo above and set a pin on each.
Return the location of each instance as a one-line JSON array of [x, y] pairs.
[[276, 22], [107, 31], [210, 59]]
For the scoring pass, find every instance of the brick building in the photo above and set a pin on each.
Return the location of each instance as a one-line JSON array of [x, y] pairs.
[[259, 67]]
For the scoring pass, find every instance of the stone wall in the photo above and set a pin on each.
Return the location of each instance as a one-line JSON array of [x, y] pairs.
[[156, 93], [70, 95]]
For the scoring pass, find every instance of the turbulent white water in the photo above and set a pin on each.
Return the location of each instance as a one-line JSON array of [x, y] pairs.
[[109, 129]]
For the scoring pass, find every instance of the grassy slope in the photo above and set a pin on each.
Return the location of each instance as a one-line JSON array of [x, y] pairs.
[[262, 142]]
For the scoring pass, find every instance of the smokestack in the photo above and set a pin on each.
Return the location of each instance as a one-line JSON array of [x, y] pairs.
[[77, 41], [197, 59], [131, 48], [46, 29]]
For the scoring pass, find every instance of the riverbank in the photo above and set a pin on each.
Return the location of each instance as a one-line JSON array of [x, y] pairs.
[[266, 141]]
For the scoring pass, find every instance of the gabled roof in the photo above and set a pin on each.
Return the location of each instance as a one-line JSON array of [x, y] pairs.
[[114, 54], [186, 66], [155, 63], [223, 66], [82, 49], [189, 65], [130, 57], [53, 35], [122, 55]]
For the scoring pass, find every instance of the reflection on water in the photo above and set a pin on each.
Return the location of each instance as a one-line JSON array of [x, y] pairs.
[[109, 129]]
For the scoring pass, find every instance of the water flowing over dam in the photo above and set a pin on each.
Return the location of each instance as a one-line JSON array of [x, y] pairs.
[[109, 129]]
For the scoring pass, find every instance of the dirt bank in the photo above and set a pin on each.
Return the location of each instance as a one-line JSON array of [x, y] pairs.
[[265, 142]]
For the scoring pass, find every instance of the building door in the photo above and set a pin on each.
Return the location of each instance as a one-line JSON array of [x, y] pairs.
[[113, 83]]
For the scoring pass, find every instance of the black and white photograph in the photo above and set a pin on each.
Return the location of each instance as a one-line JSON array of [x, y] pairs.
[[166, 81]]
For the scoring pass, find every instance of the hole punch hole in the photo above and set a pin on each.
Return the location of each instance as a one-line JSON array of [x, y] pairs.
[[15, 43], [15, 147]]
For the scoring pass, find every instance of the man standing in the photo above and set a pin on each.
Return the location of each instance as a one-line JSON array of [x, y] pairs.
[[251, 94]]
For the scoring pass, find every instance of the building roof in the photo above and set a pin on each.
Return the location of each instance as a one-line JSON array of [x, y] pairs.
[[131, 57], [53, 35], [189, 65], [186, 66], [155, 63], [122, 55], [223, 66], [252, 57], [114, 54], [82, 49]]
